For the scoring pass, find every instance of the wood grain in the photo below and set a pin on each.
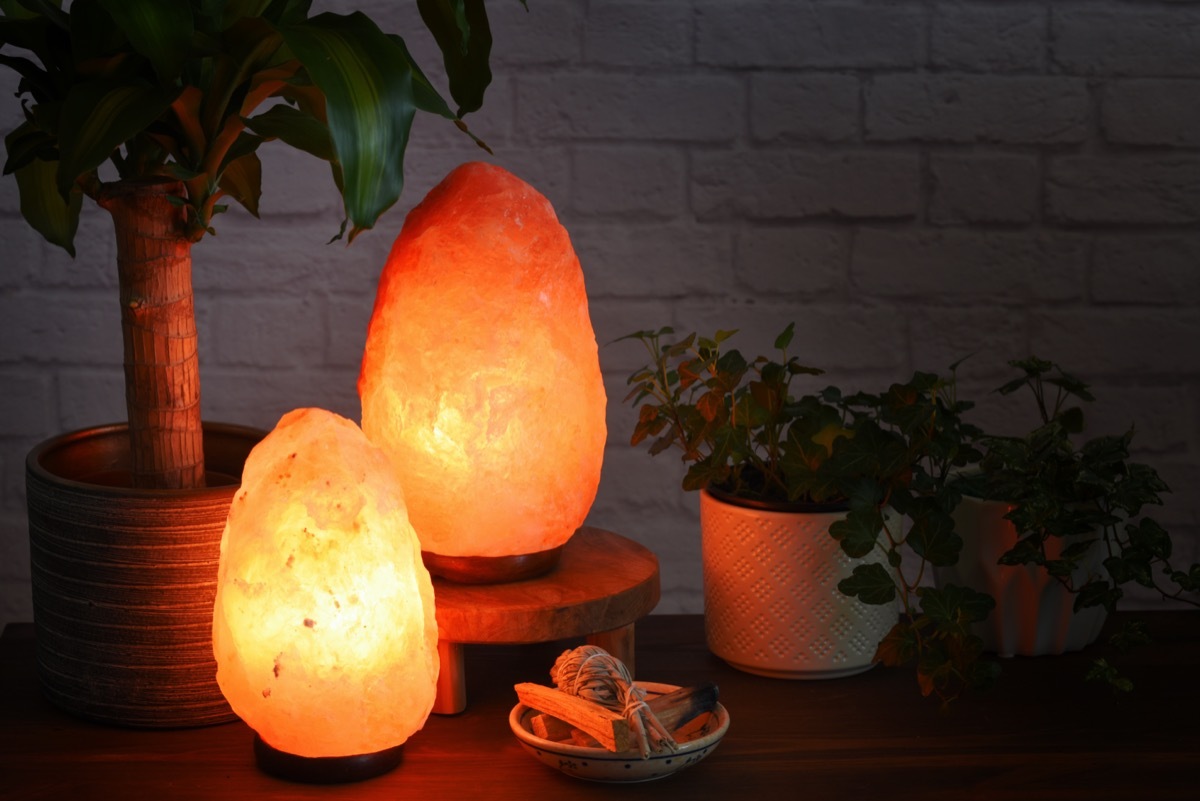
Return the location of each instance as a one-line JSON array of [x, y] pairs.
[[1040, 733], [608, 728], [602, 582]]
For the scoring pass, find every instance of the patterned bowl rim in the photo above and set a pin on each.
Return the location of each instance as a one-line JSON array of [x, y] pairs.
[[518, 717]]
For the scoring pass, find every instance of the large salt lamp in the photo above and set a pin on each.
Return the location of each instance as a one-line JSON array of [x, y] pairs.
[[324, 629], [481, 377]]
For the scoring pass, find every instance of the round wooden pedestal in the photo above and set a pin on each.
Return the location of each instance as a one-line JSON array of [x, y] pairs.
[[602, 585]]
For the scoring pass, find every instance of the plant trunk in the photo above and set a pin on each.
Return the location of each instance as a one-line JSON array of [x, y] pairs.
[[158, 323]]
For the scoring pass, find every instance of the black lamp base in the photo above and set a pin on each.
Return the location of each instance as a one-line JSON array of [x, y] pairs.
[[324, 770]]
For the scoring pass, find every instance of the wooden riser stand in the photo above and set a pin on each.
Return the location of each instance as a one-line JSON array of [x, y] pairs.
[[602, 585]]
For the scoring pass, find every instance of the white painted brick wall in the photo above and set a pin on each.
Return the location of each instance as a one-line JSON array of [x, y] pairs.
[[909, 181]]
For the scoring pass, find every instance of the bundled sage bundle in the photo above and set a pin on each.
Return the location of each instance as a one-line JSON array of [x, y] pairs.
[[591, 673]]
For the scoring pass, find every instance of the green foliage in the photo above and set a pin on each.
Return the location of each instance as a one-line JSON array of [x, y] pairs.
[[743, 432], [1072, 497], [190, 89]]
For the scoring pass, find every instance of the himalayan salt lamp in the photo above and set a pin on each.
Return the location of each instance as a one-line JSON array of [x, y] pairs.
[[481, 377], [324, 629]]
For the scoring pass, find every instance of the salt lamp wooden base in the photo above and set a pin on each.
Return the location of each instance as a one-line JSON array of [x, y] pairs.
[[324, 770], [602, 585], [491, 569]]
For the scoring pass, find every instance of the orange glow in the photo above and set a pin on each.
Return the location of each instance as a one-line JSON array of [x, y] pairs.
[[481, 376], [324, 628]]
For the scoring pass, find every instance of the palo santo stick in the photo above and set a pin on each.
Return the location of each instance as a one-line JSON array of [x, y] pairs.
[[677, 707], [674, 710], [610, 729], [549, 727]]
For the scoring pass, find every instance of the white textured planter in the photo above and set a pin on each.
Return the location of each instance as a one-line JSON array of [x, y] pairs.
[[771, 602], [1034, 613]]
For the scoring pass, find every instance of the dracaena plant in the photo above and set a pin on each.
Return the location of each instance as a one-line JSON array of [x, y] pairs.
[[744, 433], [1071, 497], [174, 99]]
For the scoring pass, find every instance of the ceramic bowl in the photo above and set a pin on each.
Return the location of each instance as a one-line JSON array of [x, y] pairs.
[[601, 765]]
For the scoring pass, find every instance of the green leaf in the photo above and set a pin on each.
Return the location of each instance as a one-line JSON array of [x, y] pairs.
[[785, 338], [723, 335], [704, 472], [1012, 386], [900, 646], [1189, 580], [25, 143], [242, 180], [870, 452], [711, 405], [50, 9], [98, 117], [662, 444], [953, 609], [27, 33], [932, 535], [230, 11], [857, 531], [690, 372], [368, 89], [679, 348], [769, 398], [162, 32], [871, 584], [1133, 634], [460, 28], [426, 97], [44, 208], [1103, 671], [1071, 385], [1151, 537], [16, 9], [730, 368], [296, 128], [1027, 551], [1097, 593], [95, 35]]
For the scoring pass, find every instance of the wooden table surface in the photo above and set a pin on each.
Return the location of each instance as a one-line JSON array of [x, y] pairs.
[[1041, 733]]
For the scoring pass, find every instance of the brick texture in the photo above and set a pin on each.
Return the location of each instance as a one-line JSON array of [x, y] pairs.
[[808, 35], [1152, 112], [1124, 190], [975, 37], [1117, 39], [977, 108], [990, 188], [771, 184], [910, 182], [805, 107]]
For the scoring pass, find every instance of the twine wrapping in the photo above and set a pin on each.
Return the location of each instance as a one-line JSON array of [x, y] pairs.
[[593, 674]]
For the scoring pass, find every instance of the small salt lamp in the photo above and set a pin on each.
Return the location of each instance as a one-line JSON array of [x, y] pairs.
[[324, 629], [481, 377]]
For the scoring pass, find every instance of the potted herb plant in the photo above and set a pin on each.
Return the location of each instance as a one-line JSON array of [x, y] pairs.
[[808, 505], [174, 99], [1054, 526]]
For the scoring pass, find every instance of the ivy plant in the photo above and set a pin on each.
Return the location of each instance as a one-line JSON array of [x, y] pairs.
[[745, 435], [1071, 497]]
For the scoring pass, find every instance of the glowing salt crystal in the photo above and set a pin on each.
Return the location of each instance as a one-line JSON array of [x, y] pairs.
[[324, 628], [481, 376]]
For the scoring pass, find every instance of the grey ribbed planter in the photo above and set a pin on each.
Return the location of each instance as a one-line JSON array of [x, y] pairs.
[[124, 579]]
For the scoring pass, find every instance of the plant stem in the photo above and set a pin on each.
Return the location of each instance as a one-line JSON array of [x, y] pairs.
[[158, 323]]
